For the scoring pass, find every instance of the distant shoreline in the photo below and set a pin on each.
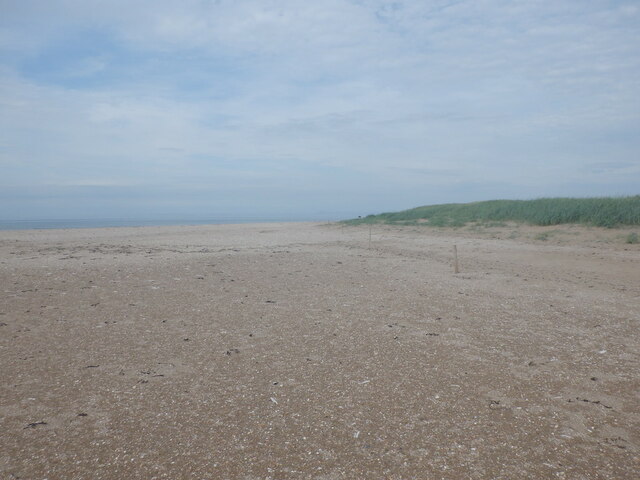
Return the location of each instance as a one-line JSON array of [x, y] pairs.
[[10, 225]]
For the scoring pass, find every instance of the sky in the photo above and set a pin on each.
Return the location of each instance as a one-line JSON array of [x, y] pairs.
[[322, 109]]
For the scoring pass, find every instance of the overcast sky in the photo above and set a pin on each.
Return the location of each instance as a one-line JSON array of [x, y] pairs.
[[312, 109]]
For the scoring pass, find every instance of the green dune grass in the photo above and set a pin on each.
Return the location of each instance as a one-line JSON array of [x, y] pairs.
[[602, 212]]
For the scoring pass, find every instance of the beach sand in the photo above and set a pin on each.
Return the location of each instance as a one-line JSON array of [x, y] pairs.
[[301, 351]]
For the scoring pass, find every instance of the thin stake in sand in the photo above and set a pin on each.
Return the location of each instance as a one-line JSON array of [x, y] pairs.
[[369, 236], [456, 268]]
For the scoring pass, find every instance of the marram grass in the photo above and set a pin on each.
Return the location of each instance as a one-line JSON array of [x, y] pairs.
[[602, 212]]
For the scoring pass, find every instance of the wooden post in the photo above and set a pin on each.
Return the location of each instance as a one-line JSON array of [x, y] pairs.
[[369, 235], [456, 268]]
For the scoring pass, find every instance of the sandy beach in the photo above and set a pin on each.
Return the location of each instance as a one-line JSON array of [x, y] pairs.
[[305, 351]]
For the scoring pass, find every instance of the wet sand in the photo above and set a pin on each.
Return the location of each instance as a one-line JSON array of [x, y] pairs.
[[301, 351]]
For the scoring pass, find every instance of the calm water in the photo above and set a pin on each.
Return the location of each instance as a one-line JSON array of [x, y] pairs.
[[113, 222]]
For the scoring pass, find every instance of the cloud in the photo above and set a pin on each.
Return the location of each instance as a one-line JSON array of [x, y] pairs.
[[303, 95]]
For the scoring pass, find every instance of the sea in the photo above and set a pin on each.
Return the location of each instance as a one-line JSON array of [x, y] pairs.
[[47, 224]]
